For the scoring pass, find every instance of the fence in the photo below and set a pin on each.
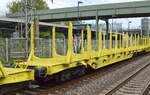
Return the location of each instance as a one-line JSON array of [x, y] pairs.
[[18, 48]]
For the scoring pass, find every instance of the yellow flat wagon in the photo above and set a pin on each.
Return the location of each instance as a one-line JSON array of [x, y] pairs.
[[15, 75]]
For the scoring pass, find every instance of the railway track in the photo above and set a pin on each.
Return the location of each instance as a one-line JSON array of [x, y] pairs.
[[135, 84], [103, 81]]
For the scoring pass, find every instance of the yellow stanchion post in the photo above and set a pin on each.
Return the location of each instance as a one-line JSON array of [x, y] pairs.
[[104, 38], [100, 40], [2, 70], [89, 47], [123, 40], [127, 40], [53, 42], [131, 37], [110, 40], [82, 41], [120, 40], [116, 40]]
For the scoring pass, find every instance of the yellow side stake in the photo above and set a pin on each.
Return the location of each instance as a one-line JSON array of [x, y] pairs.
[[70, 40], [127, 40], [131, 37], [2, 70], [104, 38], [120, 40], [54, 54], [110, 40], [89, 39], [123, 40], [116, 40], [135, 40], [100, 40], [31, 42], [82, 41]]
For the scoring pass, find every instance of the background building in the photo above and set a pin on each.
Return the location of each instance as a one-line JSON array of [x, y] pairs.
[[145, 23]]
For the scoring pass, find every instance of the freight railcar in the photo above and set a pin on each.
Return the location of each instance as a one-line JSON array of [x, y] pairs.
[[116, 48]]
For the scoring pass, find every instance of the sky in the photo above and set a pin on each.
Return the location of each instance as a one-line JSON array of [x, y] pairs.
[[71, 3]]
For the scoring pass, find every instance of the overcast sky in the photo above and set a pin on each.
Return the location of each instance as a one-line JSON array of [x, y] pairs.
[[70, 3]]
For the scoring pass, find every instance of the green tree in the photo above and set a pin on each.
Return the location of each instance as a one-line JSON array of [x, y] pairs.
[[17, 6]]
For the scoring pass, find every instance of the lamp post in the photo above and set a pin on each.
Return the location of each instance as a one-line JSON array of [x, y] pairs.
[[79, 2]]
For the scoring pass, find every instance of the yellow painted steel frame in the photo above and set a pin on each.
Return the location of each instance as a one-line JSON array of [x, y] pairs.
[[15, 75], [94, 59]]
